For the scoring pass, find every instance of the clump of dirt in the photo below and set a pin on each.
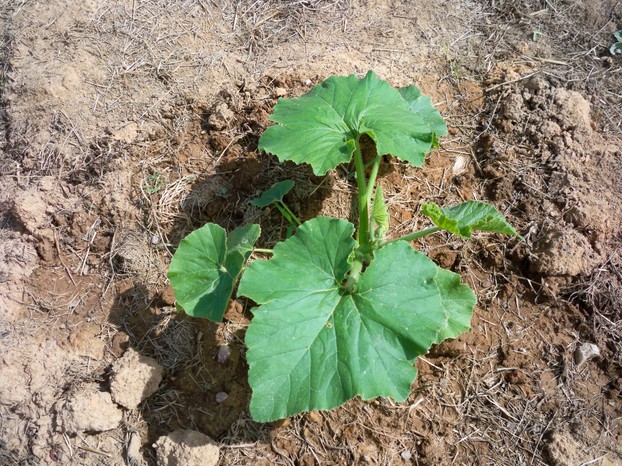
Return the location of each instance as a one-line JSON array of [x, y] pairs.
[[186, 447], [87, 410], [206, 379], [220, 170], [134, 378], [558, 180], [559, 251]]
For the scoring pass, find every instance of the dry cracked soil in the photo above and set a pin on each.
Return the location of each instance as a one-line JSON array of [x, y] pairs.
[[126, 124]]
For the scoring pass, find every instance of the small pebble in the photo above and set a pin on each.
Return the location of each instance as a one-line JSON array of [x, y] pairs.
[[585, 352], [460, 166], [406, 455], [223, 354], [221, 396]]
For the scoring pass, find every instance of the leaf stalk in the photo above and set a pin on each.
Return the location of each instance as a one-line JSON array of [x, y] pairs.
[[415, 235], [372, 179], [364, 247], [287, 213], [293, 216], [265, 251]]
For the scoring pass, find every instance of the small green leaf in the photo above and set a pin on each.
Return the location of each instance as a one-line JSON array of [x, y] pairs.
[[206, 266], [380, 214], [320, 128], [312, 345], [618, 35], [464, 218], [275, 193], [616, 49]]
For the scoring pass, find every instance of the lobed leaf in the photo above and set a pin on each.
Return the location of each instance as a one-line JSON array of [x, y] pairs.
[[469, 216], [312, 345], [275, 193], [320, 128], [206, 265]]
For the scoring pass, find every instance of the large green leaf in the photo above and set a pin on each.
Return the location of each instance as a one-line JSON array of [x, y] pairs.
[[206, 266], [312, 345], [275, 193], [469, 216], [320, 127]]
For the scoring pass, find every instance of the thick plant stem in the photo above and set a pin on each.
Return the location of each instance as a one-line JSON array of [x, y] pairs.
[[353, 278], [371, 184], [363, 231], [416, 235]]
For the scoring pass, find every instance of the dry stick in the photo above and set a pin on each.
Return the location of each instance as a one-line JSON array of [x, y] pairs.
[[547, 60], [60, 258], [235, 139], [93, 450], [110, 262], [92, 233], [68, 443], [522, 78], [235, 17]]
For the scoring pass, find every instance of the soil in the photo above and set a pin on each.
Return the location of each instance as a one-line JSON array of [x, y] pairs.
[[125, 125]]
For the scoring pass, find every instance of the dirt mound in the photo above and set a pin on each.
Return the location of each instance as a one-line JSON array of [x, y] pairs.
[[558, 167]]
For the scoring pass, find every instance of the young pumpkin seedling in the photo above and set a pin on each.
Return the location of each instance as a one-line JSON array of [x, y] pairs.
[[275, 196], [341, 311]]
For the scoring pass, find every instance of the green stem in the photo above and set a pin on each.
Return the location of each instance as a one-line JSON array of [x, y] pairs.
[[355, 273], [363, 231], [266, 251], [284, 213], [293, 216], [372, 179], [416, 235]]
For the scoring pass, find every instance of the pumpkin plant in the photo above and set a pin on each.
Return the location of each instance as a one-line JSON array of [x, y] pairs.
[[341, 311]]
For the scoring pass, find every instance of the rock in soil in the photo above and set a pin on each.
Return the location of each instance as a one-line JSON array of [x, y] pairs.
[[186, 448], [133, 455], [29, 209], [221, 118], [134, 378], [88, 410], [585, 352]]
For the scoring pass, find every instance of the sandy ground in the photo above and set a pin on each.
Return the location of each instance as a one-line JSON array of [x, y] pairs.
[[126, 124]]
